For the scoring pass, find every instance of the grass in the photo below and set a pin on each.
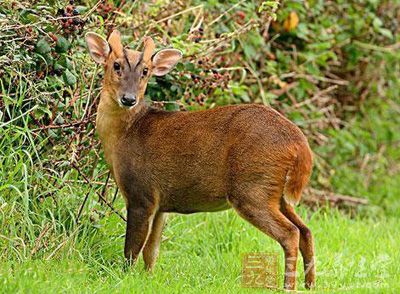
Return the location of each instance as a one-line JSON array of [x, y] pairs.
[[203, 253]]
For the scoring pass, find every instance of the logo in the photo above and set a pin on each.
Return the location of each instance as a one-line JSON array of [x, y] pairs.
[[260, 270]]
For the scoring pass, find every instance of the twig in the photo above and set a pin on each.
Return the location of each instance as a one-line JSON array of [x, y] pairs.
[[62, 244], [225, 13], [92, 9], [103, 192], [375, 47], [18, 117], [179, 13], [63, 126], [316, 96], [260, 86], [81, 207], [89, 95], [115, 196], [269, 20], [39, 238], [99, 183], [314, 196], [313, 79], [100, 196]]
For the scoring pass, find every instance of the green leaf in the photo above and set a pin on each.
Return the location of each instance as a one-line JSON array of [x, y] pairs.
[[58, 66], [43, 47], [385, 32], [377, 23], [180, 66], [268, 6], [62, 44], [69, 77], [81, 9], [171, 106], [189, 66], [320, 46]]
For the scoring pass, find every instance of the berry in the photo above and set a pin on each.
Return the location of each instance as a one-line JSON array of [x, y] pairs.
[[53, 37], [58, 71], [75, 12], [241, 14]]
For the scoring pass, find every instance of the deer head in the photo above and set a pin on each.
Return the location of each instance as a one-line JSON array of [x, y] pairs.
[[126, 71]]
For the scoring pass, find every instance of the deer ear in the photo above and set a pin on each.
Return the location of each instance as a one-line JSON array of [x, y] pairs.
[[148, 48], [115, 43], [165, 60], [98, 47]]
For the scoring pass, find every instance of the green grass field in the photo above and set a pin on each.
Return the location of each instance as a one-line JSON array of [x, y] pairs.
[[203, 252]]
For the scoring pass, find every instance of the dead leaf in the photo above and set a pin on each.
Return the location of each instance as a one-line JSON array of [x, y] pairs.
[[275, 80], [291, 22]]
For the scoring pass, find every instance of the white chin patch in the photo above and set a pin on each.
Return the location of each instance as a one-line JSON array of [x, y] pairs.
[[124, 106]]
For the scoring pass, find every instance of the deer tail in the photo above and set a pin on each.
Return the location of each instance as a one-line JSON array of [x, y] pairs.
[[298, 175]]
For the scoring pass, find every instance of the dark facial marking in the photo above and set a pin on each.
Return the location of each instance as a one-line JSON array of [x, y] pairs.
[[139, 61], [127, 60]]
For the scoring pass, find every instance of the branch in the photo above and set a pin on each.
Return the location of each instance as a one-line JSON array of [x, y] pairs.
[[314, 197], [98, 194]]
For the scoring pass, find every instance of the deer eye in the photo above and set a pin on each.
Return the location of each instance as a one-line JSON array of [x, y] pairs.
[[145, 71], [117, 66]]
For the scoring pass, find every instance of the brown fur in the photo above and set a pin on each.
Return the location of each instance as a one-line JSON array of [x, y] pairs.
[[244, 156], [298, 175]]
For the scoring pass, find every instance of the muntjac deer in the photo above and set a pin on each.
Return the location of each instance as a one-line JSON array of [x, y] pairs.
[[248, 157]]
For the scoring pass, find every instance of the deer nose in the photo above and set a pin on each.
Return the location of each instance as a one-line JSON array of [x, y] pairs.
[[128, 99]]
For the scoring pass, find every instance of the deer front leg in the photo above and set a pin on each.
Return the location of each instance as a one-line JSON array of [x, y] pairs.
[[150, 250], [137, 230]]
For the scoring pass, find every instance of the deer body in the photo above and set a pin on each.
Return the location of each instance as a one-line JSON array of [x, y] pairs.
[[248, 157], [191, 161]]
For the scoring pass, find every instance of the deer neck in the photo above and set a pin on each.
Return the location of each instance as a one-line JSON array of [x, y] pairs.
[[113, 122]]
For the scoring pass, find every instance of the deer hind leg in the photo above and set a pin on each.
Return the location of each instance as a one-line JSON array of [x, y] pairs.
[[306, 243], [261, 209], [150, 250]]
